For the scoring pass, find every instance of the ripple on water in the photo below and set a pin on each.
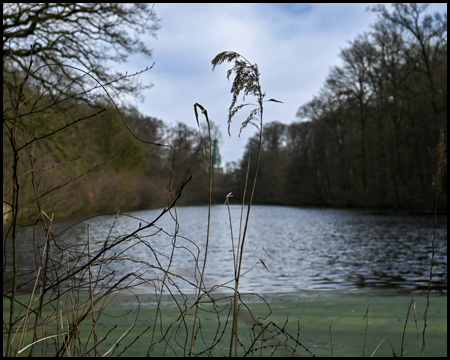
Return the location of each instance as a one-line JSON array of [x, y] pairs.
[[304, 248]]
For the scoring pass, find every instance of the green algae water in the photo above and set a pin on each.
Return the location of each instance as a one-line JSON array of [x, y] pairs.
[[306, 316]]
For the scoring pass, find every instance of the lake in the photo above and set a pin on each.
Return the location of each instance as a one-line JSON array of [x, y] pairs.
[[303, 248]]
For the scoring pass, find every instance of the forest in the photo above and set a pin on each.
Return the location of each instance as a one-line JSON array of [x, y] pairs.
[[367, 139]]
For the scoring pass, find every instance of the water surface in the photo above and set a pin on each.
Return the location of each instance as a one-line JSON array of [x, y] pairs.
[[303, 248]]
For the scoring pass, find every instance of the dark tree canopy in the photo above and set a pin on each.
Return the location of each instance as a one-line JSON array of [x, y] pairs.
[[368, 138], [85, 35]]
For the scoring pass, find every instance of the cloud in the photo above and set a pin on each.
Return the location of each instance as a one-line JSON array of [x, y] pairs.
[[294, 46]]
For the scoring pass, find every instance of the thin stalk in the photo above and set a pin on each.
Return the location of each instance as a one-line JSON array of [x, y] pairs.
[[15, 209], [30, 303], [91, 290], [241, 252], [163, 283], [48, 227], [237, 254], [209, 223], [227, 202], [242, 208], [404, 328], [441, 162], [366, 316]]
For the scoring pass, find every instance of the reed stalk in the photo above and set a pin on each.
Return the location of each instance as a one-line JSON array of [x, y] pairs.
[[205, 113], [15, 205], [247, 79], [366, 317], [441, 162]]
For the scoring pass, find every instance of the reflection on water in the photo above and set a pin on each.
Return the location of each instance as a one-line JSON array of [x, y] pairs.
[[304, 248]]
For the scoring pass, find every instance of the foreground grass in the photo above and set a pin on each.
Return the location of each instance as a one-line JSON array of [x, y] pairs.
[[310, 316]]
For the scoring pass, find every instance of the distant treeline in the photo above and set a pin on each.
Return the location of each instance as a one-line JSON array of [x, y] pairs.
[[369, 138], [95, 165]]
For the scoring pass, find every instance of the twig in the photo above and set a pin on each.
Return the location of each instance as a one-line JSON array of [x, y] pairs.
[[366, 316]]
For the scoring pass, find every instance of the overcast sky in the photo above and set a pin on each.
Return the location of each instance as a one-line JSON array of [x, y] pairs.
[[294, 46]]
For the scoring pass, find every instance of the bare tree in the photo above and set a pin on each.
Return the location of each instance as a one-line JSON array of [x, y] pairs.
[[429, 38], [86, 35]]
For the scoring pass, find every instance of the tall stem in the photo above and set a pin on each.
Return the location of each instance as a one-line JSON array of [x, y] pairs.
[[207, 232], [15, 210], [441, 161], [234, 333]]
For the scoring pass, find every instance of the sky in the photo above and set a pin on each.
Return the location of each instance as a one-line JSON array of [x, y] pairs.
[[294, 45]]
